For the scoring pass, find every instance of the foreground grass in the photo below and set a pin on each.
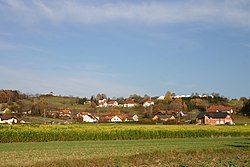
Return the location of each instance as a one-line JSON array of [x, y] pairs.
[[163, 152], [42, 133]]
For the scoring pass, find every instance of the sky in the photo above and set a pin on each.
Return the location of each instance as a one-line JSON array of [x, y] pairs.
[[124, 47]]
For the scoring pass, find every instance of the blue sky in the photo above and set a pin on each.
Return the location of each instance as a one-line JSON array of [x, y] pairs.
[[120, 48]]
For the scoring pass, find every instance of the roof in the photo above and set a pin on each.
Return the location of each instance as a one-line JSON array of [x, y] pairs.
[[83, 113], [6, 117], [213, 115], [106, 117], [91, 116], [65, 111], [112, 102], [129, 101], [164, 116], [148, 101], [215, 108]]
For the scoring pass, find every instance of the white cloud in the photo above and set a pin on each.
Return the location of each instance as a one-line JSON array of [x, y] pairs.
[[233, 12]]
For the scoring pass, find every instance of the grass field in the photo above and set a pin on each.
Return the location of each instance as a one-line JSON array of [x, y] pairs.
[[163, 152], [241, 120]]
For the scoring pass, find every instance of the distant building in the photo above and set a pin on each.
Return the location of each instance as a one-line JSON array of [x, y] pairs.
[[65, 113], [129, 103], [164, 118], [214, 118], [161, 98], [219, 108], [8, 119], [112, 103], [148, 103], [102, 103], [119, 118], [116, 119]]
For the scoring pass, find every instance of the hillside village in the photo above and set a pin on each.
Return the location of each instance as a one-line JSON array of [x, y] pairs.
[[212, 109]]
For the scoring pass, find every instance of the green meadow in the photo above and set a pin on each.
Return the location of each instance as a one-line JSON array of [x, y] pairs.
[[228, 151]]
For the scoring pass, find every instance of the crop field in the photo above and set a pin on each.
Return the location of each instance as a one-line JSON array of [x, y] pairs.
[[124, 145], [44, 133], [228, 151]]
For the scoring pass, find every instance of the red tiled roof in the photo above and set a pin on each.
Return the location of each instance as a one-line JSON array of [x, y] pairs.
[[129, 101], [6, 117], [111, 102], [215, 108], [148, 100], [65, 111]]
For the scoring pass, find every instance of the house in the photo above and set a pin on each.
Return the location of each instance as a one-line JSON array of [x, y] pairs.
[[164, 118], [105, 118], [214, 118], [135, 118], [53, 114], [112, 103], [102, 103], [129, 103], [219, 108], [161, 98], [65, 113], [181, 113], [8, 119], [87, 117], [148, 103], [111, 118], [116, 119]]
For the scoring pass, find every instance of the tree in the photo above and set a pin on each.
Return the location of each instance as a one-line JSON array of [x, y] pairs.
[[81, 100], [146, 97], [120, 100], [176, 105], [236, 104], [184, 106], [100, 96], [168, 97], [93, 104], [246, 108], [200, 103], [136, 98]]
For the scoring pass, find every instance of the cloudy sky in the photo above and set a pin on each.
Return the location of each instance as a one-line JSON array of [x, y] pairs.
[[82, 47]]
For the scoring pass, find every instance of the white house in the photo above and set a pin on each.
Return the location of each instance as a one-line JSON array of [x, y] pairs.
[[148, 103], [116, 119], [135, 118], [129, 103], [102, 103], [89, 118], [65, 113], [112, 103], [8, 119], [161, 98]]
